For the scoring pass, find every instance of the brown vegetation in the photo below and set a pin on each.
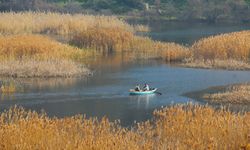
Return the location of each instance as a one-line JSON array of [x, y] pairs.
[[47, 68], [103, 39], [37, 47], [217, 64], [55, 23], [226, 51], [39, 56], [107, 34], [110, 40], [225, 46], [235, 94], [177, 127]]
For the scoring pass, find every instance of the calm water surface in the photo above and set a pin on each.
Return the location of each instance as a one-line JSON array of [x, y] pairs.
[[106, 93], [187, 33]]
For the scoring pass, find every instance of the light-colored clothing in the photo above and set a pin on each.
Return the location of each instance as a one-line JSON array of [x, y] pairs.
[[137, 88], [146, 88]]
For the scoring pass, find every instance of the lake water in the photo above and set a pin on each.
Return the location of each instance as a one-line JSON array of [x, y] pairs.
[[106, 93], [187, 33]]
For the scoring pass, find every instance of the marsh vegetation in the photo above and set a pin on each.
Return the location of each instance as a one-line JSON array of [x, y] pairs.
[[93, 35], [226, 51], [182, 127], [39, 56], [234, 94]]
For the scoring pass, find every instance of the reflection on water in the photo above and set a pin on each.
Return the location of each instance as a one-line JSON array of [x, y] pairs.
[[7, 96], [142, 100], [47, 84]]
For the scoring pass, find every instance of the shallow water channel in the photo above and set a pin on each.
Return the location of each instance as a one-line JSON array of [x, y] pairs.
[[106, 93]]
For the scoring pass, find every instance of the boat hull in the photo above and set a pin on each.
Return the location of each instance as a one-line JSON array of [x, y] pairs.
[[133, 92]]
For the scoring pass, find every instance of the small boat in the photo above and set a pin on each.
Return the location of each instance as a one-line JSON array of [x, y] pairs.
[[141, 92]]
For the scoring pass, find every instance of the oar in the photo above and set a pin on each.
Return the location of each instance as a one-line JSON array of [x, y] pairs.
[[158, 93]]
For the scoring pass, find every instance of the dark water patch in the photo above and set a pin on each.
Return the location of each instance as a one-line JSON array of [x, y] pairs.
[[187, 33]]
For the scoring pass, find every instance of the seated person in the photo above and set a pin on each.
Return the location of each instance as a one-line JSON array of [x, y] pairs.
[[146, 87], [137, 88]]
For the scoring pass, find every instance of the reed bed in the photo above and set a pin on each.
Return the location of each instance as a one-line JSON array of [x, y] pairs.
[[39, 56], [229, 64], [173, 52], [37, 47], [43, 69], [233, 45], [235, 94], [102, 33], [55, 23], [110, 40], [229, 51], [103, 39], [177, 127], [148, 48]]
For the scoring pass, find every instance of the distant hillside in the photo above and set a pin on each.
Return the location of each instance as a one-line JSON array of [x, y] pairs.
[[208, 10]]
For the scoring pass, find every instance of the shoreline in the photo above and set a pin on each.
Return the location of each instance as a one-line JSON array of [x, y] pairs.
[[204, 94], [227, 65], [174, 19]]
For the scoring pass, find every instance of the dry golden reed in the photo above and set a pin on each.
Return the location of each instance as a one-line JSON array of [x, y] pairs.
[[177, 127], [39, 56], [106, 33], [148, 48], [235, 94], [104, 39], [43, 69], [109, 40], [17, 47], [229, 64], [55, 23], [233, 45]]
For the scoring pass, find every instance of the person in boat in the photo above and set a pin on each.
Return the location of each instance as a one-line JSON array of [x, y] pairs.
[[146, 87], [137, 88]]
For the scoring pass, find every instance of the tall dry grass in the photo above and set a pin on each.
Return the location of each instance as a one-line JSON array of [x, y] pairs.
[[103, 33], [229, 64], [103, 39], [55, 23], [109, 40], [177, 127], [42, 68], [37, 47], [233, 45], [39, 56], [234, 94]]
